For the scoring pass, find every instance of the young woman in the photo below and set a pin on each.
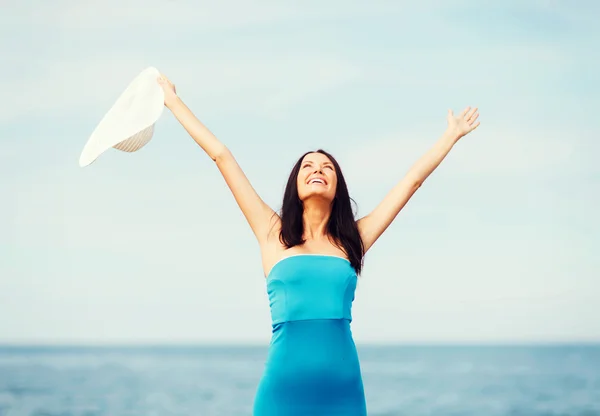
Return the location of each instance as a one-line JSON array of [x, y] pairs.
[[312, 254]]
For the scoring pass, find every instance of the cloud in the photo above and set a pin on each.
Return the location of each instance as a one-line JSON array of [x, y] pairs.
[[508, 222], [267, 85], [201, 15], [492, 177], [491, 150], [254, 74], [160, 14]]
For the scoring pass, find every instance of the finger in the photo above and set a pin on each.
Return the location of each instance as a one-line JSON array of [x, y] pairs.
[[473, 118], [470, 114], [450, 113], [474, 126], [464, 112]]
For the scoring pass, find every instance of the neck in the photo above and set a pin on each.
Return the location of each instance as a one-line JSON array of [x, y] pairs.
[[315, 217]]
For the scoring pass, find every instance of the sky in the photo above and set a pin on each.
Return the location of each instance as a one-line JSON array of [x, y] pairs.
[[500, 245]]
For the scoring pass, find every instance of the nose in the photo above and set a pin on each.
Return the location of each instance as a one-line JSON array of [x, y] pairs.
[[319, 170]]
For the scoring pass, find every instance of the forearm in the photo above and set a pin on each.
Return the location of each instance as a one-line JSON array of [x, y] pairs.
[[432, 159], [198, 131], [374, 224]]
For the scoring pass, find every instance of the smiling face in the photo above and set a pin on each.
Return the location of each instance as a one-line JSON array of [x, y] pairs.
[[316, 177]]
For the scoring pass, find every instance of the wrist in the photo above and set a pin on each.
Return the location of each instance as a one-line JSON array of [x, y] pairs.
[[172, 101], [451, 135]]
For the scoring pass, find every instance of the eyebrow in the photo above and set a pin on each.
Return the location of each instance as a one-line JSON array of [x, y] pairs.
[[311, 162]]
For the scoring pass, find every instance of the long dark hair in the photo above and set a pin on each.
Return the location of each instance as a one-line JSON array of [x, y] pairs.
[[341, 227]]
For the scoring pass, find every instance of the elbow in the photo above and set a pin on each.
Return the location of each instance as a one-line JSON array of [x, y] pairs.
[[413, 183], [222, 154]]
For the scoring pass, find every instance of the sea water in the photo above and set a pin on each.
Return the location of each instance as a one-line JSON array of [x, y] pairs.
[[212, 380]]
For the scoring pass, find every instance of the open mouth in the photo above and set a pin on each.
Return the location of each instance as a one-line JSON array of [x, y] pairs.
[[318, 181]]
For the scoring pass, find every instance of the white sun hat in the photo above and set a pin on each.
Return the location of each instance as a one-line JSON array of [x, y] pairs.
[[129, 124]]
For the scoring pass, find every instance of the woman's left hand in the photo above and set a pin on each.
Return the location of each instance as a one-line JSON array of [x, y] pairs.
[[464, 123]]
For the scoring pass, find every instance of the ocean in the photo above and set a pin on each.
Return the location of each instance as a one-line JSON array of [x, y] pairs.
[[210, 380]]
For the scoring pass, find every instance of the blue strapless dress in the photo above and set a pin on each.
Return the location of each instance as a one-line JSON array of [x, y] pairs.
[[312, 367]]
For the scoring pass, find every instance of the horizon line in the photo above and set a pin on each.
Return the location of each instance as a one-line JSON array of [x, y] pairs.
[[253, 344]]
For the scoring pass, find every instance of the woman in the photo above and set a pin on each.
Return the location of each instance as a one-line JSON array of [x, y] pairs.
[[312, 254]]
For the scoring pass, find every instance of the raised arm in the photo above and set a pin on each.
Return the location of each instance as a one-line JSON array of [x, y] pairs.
[[258, 214], [373, 225]]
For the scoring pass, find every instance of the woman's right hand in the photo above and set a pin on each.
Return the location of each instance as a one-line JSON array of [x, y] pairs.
[[169, 90]]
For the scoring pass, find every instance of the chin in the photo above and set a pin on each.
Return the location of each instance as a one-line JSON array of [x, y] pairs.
[[324, 195]]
